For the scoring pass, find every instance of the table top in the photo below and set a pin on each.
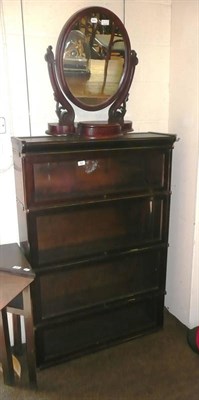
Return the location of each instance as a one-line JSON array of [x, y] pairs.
[[12, 260]]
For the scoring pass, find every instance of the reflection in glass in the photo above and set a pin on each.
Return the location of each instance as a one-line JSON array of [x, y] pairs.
[[93, 59]]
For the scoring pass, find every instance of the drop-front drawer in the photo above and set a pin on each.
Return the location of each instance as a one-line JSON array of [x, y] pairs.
[[100, 282], [56, 178], [78, 335], [61, 234]]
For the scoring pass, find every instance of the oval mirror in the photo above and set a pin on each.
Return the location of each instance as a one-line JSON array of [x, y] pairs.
[[92, 57], [93, 65]]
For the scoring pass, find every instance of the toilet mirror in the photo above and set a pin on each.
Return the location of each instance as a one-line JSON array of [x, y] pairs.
[[93, 68]]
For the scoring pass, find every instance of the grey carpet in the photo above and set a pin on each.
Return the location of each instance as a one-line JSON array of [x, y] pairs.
[[158, 366]]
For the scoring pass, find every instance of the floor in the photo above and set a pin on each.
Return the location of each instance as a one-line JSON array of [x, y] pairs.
[[158, 366]]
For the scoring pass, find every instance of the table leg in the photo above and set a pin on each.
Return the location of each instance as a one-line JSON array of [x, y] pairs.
[[29, 329], [5, 349], [17, 334]]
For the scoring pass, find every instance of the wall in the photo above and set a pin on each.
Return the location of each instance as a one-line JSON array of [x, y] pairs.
[[28, 27], [148, 25], [182, 277], [13, 106]]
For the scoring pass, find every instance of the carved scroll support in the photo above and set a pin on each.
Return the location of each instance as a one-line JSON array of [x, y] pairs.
[[64, 110], [118, 109]]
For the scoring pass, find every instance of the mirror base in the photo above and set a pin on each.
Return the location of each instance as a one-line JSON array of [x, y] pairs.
[[56, 129], [103, 129], [91, 129]]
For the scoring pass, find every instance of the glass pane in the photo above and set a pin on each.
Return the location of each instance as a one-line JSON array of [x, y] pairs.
[[77, 177], [93, 229], [86, 285], [92, 330]]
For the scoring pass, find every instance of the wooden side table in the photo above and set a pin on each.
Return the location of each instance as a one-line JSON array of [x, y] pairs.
[[15, 279]]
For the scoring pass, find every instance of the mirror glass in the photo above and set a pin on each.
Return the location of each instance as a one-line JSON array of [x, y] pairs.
[[93, 58]]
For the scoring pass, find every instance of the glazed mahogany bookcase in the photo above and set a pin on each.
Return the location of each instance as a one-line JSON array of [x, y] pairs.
[[93, 223]]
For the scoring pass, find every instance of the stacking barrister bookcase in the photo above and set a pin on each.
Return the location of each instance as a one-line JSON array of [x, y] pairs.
[[93, 222]]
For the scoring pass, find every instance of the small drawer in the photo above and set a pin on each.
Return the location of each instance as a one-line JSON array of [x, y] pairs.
[[58, 235], [56, 178], [119, 322], [94, 283]]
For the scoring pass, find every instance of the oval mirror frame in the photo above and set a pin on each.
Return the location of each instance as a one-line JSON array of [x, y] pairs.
[[66, 71], [90, 13]]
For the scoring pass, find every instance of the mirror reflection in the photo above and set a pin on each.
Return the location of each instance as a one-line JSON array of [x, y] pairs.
[[93, 59]]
